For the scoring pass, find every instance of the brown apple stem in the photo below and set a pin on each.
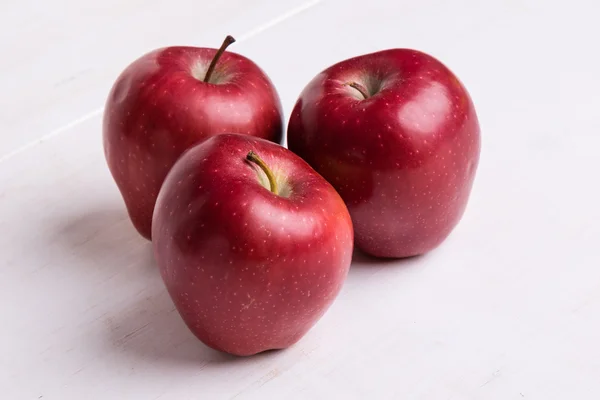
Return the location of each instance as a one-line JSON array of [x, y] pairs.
[[228, 40], [252, 156], [363, 90]]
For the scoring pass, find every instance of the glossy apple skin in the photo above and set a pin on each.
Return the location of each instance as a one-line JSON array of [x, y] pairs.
[[249, 270], [159, 107], [404, 159]]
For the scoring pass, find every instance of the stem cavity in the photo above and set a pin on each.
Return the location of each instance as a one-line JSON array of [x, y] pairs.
[[253, 157], [363, 90]]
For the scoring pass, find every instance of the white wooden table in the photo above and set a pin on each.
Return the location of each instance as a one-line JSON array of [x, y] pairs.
[[507, 308]]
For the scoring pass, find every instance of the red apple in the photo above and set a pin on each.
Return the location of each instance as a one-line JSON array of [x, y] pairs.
[[169, 100], [252, 244], [396, 134]]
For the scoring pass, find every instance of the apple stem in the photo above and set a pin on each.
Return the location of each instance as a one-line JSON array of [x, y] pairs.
[[252, 156], [363, 90], [228, 40]]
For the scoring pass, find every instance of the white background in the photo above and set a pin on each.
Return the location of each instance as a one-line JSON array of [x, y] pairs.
[[507, 308]]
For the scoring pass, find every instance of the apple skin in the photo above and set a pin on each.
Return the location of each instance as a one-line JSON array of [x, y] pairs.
[[159, 107], [249, 270], [403, 159]]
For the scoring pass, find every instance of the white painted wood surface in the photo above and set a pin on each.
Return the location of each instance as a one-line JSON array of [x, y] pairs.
[[507, 308]]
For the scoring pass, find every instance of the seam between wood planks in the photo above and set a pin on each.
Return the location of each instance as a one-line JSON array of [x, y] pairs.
[[259, 29]]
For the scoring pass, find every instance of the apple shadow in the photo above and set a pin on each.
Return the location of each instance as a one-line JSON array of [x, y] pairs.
[[151, 330], [365, 267], [97, 234], [360, 260], [143, 326]]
